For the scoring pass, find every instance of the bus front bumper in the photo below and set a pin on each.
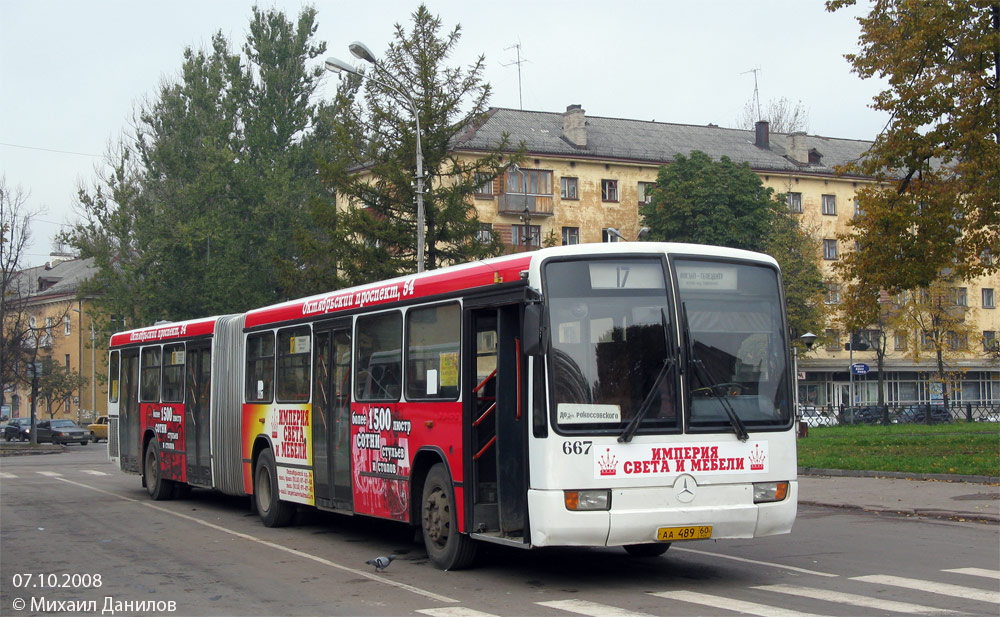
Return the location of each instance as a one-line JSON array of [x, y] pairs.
[[637, 514]]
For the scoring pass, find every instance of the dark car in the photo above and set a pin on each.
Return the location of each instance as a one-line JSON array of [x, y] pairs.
[[864, 415], [17, 429], [61, 431], [918, 414]]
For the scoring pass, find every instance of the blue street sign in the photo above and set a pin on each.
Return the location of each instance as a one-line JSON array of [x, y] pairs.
[[860, 369]]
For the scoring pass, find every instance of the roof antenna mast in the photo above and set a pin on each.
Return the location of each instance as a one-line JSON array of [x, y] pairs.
[[518, 62], [756, 94]]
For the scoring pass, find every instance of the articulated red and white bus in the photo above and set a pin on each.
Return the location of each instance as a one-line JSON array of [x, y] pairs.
[[626, 394]]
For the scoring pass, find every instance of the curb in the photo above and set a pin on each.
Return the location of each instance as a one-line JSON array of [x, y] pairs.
[[942, 514], [898, 475], [27, 450]]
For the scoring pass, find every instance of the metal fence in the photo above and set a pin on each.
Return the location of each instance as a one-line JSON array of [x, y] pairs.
[[903, 413]]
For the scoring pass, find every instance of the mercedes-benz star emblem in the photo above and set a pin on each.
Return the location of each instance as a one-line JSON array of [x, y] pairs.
[[684, 488]]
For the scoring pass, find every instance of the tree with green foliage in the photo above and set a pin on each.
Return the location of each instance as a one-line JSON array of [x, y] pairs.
[[936, 205], [376, 229], [57, 384], [722, 203], [197, 212]]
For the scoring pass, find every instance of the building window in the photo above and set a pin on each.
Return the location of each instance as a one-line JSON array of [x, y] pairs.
[[609, 236], [609, 190], [899, 340], [829, 249], [830, 205], [832, 340], [570, 235], [67, 325], [485, 233], [529, 181], [484, 184], [832, 293], [961, 296], [517, 235], [794, 202], [567, 189], [858, 211], [990, 340], [957, 341], [926, 340], [988, 299], [646, 192]]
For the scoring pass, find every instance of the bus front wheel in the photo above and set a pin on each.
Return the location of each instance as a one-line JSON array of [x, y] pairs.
[[157, 487], [273, 512], [447, 548]]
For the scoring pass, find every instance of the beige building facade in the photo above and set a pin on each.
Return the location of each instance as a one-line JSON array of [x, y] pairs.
[[583, 176], [65, 333]]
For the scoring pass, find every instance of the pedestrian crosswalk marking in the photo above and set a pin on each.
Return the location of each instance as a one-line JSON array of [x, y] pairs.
[[729, 604], [945, 589], [976, 572], [755, 562], [50, 474], [7, 476], [454, 611], [93, 472], [593, 609], [854, 599]]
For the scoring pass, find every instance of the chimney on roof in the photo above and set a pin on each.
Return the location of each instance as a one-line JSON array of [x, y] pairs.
[[797, 148], [575, 126], [763, 137]]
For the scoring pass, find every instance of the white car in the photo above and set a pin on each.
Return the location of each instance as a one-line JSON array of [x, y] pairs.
[[818, 416]]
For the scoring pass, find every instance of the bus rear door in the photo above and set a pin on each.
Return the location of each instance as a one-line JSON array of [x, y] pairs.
[[331, 415]]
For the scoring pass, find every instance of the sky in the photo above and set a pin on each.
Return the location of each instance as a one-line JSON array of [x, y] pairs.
[[73, 73]]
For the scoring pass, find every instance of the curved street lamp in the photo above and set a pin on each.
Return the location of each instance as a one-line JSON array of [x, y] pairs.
[[360, 51]]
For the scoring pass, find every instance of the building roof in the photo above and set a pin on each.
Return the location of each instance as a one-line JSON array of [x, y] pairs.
[[657, 142], [55, 278]]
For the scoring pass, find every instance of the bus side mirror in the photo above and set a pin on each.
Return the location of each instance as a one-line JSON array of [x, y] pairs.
[[533, 334]]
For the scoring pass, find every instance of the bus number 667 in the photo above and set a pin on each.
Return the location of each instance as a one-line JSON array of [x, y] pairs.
[[577, 447]]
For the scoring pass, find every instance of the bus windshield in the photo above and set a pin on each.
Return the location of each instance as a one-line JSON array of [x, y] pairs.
[[610, 357], [734, 332]]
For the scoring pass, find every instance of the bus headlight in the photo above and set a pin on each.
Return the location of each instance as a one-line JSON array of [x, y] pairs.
[[587, 500], [766, 492]]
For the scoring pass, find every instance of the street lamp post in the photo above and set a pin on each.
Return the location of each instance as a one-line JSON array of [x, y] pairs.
[[360, 51]]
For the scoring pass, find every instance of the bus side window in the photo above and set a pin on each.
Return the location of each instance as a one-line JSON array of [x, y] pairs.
[[149, 375], [433, 335], [377, 353], [173, 373], [294, 353], [260, 367]]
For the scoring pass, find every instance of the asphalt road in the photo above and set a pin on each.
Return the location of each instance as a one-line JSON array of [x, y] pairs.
[[74, 514]]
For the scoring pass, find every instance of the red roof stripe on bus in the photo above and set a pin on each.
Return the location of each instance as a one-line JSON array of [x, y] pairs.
[[446, 280], [165, 332]]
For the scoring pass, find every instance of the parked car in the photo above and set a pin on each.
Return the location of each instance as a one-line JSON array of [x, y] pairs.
[[99, 429], [814, 417], [17, 429], [917, 414], [61, 431]]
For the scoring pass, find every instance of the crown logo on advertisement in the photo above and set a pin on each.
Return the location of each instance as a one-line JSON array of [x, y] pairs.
[[608, 463], [757, 457], [274, 427]]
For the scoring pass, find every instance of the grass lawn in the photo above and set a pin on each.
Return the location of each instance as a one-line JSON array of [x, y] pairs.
[[957, 448]]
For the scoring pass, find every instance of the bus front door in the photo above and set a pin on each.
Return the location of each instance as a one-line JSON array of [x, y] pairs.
[[331, 422], [197, 416], [497, 421], [128, 412]]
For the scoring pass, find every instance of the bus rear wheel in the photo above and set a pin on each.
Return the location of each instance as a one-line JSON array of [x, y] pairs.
[[273, 512], [157, 487], [447, 548], [646, 550]]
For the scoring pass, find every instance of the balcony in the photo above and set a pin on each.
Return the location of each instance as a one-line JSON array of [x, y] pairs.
[[514, 203]]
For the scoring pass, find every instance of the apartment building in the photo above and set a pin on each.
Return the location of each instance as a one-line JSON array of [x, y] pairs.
[[64, 332], [583, 179]]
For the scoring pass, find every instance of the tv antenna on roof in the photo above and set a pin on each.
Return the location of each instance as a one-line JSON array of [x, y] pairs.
[[518, 62], [756, 95]]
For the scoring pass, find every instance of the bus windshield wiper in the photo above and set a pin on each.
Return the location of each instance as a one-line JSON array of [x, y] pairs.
[[703, 374], [647, 403]]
